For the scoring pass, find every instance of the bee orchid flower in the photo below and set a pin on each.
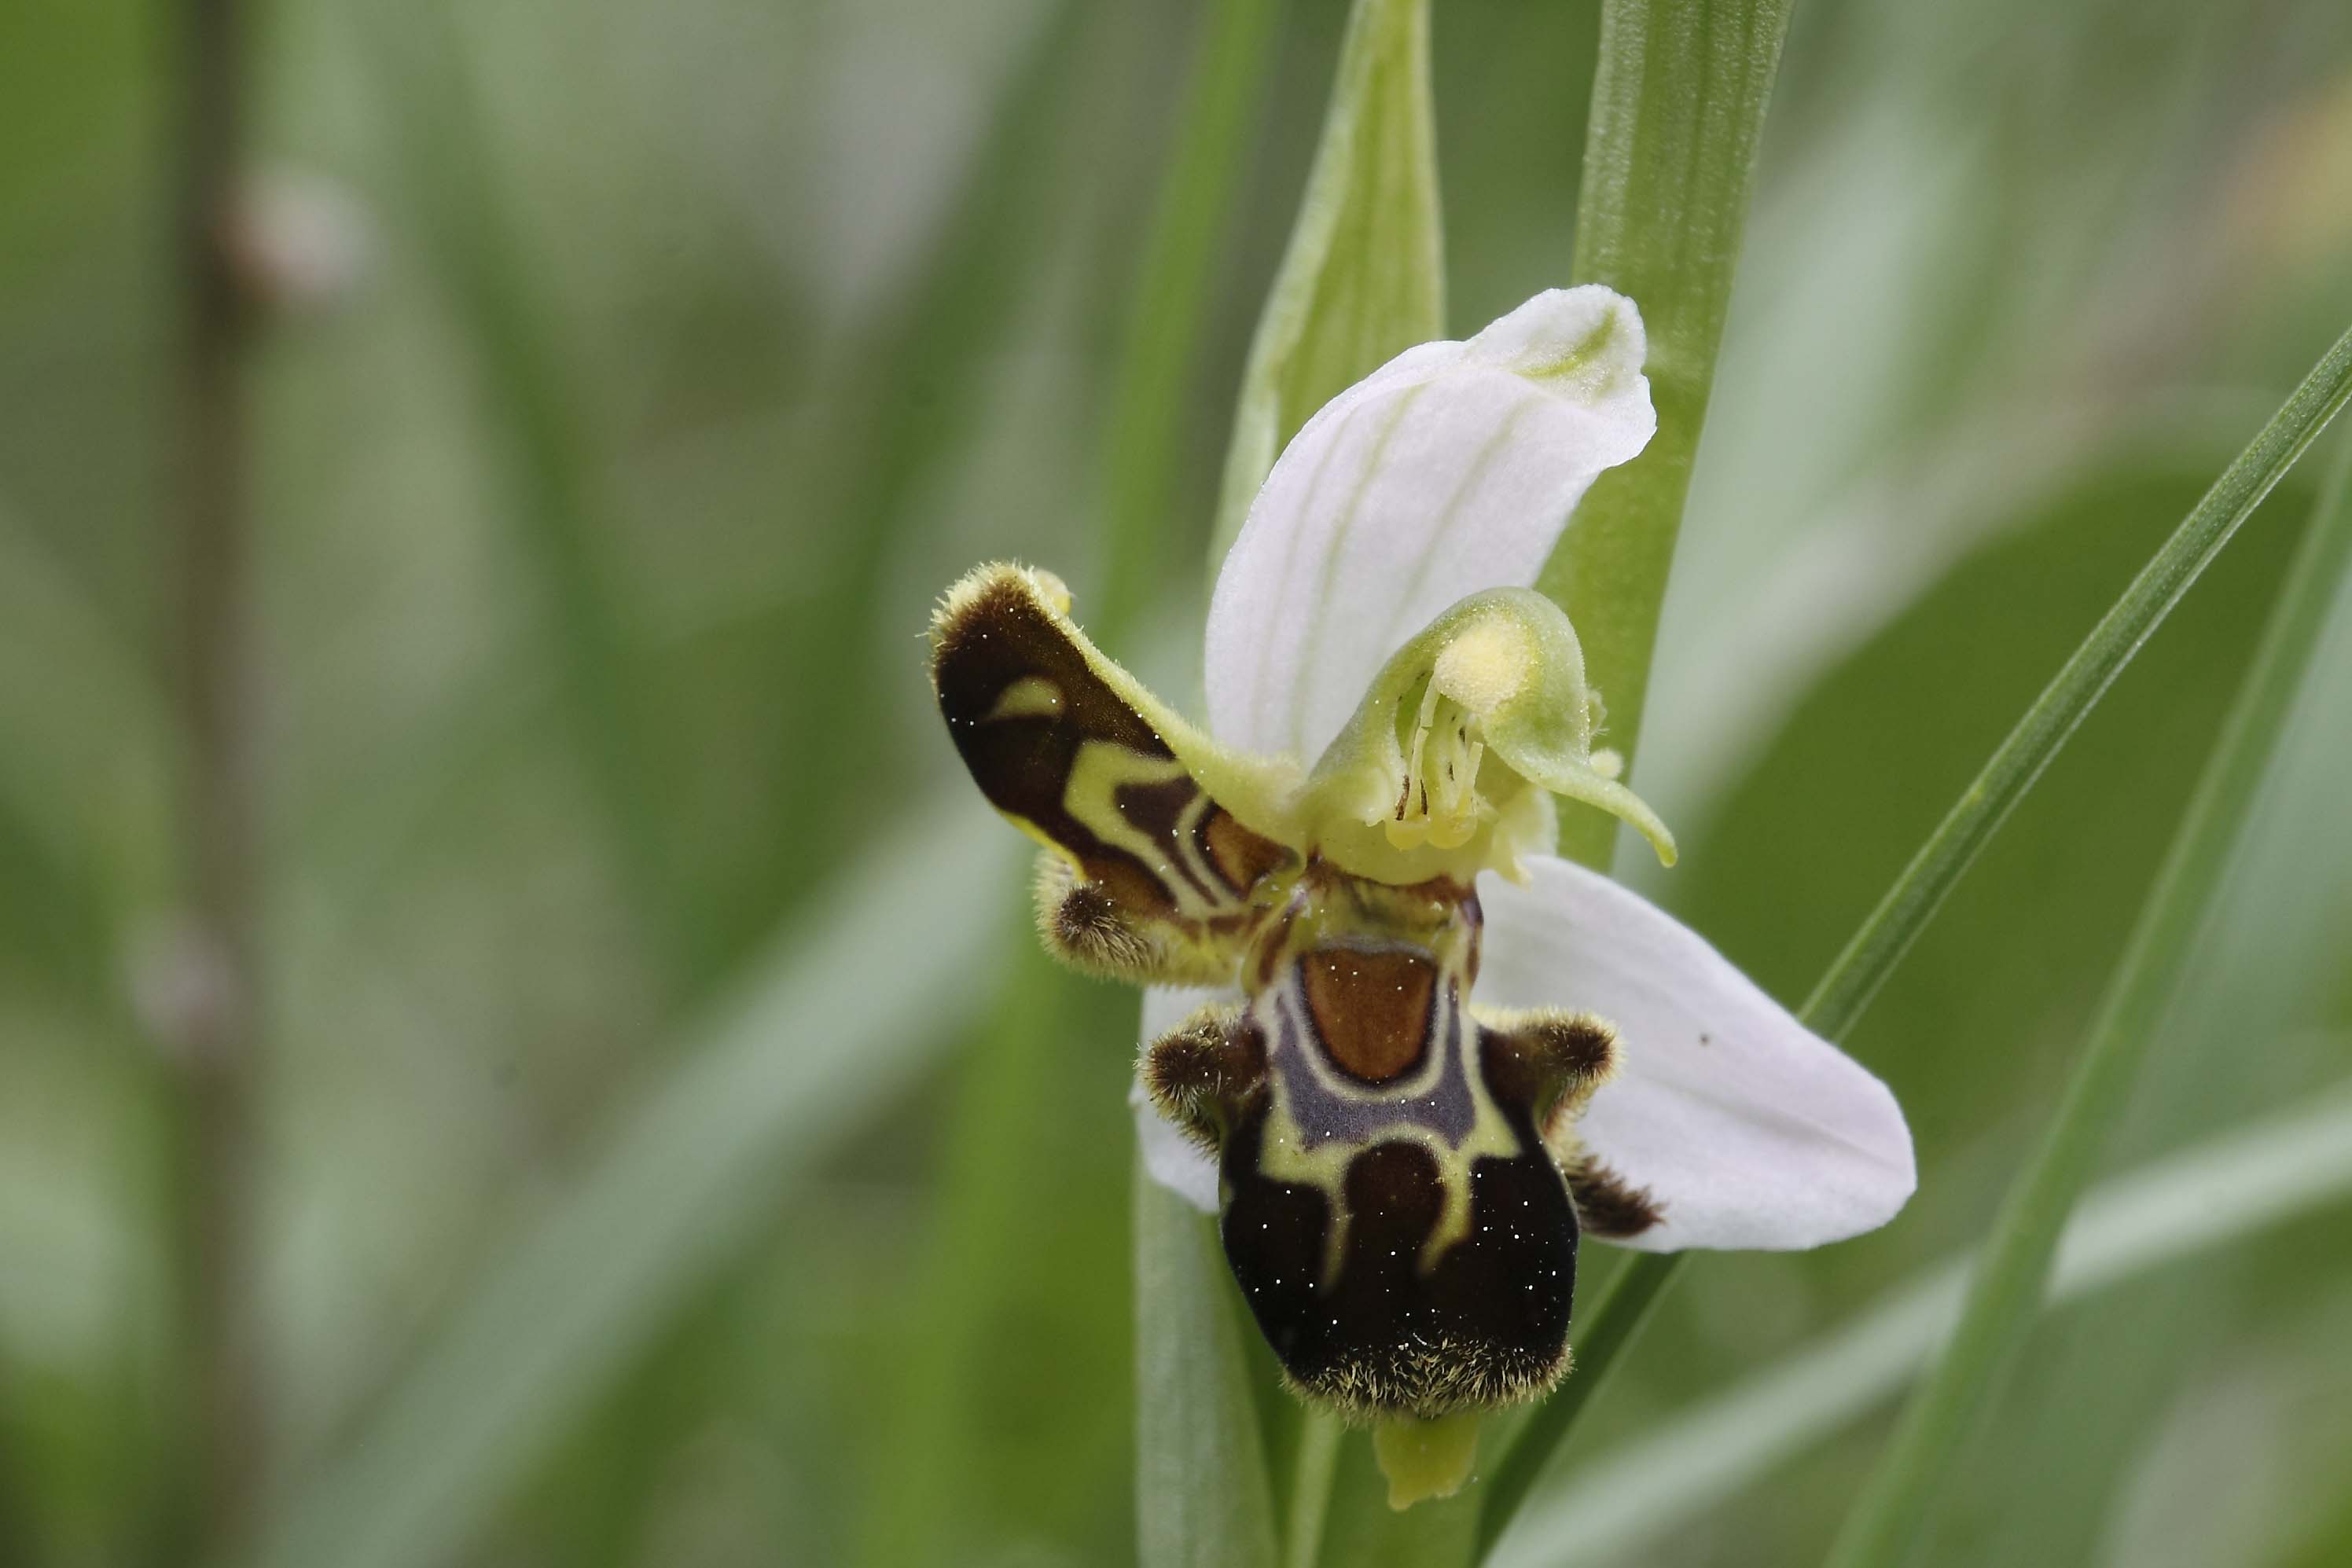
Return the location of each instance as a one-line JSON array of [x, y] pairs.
[[1404, 1053]]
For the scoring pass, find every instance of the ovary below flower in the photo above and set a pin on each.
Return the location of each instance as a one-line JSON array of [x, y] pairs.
[[1414, 1055]]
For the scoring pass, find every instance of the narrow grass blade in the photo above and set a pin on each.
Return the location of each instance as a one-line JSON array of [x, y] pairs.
[[912, 393], [1904, 912], [832, 1022], [2226, 1190], [1678, 104], [1867, 961], [2005, 1293], [1669, 159], [561, 513]]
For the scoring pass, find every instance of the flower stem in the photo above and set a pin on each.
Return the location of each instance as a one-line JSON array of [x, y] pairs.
[[2006, 1290], [1203, 1494], [1854, 977], [1311, 1488]]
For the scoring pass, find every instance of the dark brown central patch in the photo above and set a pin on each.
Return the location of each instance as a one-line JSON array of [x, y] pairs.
[[1371, 1010], [1486, 1326]]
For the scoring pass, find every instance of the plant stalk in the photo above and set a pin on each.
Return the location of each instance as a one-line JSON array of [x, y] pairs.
[[211, 1021]]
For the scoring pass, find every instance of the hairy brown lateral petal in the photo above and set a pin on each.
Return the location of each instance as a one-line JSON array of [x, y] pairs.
[[1082, 923], [1154, 878], [1201, 1073], [1607, 1205]]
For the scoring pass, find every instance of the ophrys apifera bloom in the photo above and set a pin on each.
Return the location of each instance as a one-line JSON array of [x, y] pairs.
[[1407, 1054]]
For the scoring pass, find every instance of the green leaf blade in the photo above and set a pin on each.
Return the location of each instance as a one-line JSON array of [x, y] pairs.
[[2236, 1185], [1678, 106], [2005, 1293], [1845, 990]]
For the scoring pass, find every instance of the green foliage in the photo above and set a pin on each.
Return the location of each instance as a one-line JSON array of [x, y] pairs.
[[1363, 277], [1678, 104], [1865, 963], [665, 1157], [827, 1029], [2275, 1172], [2006, 1290], [1190, 231]]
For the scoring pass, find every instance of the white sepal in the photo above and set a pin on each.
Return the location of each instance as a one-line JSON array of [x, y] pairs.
[[1449, 469], [1749, 1130]]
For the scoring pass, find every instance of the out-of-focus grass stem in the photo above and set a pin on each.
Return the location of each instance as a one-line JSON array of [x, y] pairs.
[[915, 392], [685, 1179], [213, 1015], [1837, 1002], [1163, 333], [2006, 1288], [560, 511]]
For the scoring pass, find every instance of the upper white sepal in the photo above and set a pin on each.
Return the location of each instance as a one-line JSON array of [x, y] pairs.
[[1749, 1130], [1449, 469]]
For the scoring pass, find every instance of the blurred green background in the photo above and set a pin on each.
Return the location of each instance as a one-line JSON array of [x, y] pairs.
[[669, 1148]]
